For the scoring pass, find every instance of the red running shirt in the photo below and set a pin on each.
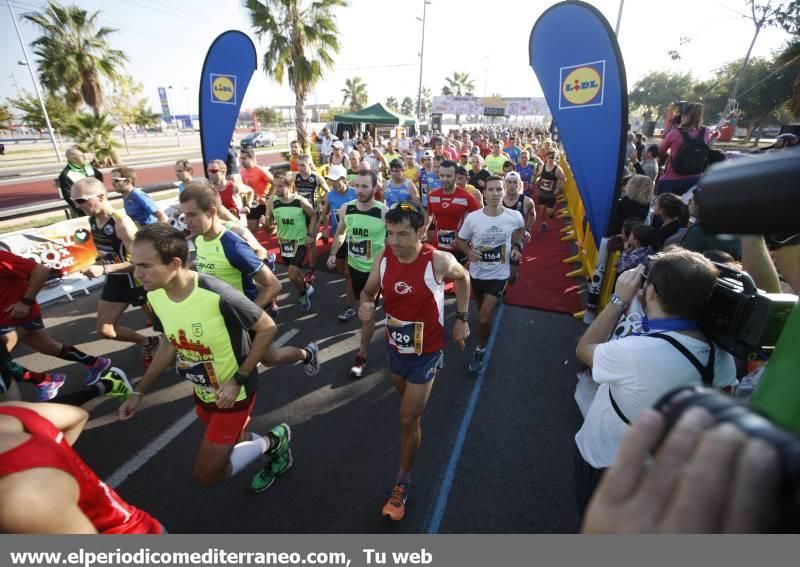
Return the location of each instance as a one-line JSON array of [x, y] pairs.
[[449, 211], [47, 448], [227, 199], [413, 300], [15, 271], [256, 178]]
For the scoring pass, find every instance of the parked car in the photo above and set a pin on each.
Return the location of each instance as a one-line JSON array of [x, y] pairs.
[[257, 139]]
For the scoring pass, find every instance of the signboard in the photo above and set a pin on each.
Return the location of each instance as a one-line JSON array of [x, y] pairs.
[[493, 111], [65, 246], [162, 97], [516, 106]]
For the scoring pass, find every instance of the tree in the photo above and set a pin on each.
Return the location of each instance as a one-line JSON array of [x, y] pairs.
[[144, 118], [302, 41], [268, 116], [95, 134], [74, 54], [425, 107], [5, 117], [354, 93], [124, 103], [407, 106], [458, 85], [58, 111], [391, 103], [654, 92], [790, 59]]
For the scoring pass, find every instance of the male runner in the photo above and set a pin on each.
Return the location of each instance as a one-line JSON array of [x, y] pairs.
[[495, 160], [551, 182], [45, 487], [139, 206], [411, 276], [515, 200], [310, 185], [113, 233], [259, 179], [207, 327], [222, 254], [21, 319], [364, 229], [491, 238], [398, 188], [462, 181], [340, 194], [428, 178], [449, 205], [527, 171], [297, 222], [227, 189]]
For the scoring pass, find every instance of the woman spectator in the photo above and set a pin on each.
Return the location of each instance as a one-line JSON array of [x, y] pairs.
[[674, 216], [635, 201], [672, 181], [642, 243]]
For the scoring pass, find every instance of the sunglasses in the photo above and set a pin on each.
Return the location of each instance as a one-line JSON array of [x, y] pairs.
[[82, 200], [407, 206], [118, 179], [213, 170]]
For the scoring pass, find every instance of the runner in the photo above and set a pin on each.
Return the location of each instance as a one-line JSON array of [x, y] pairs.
[[139, 206], [310, 186], [527, 171], [551, 182], [428, 178], [205, 323], [294, 156], [495, 160], [183, 173], [47, 488], [21, 319], [222, 254], [462, 181], [113, 233], [448, 206], [227, 189], [398, 188], [295, 218], [411, 276], [515, 200], [259, 179], [364, 229], [334, 200], [490, 238]]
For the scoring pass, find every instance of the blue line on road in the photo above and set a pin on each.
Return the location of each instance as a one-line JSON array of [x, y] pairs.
[[452, 465]]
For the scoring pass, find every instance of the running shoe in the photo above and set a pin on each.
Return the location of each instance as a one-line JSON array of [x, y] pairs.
[[272, 310], [149, 351], [310, 289], [270, 262], [347, 314], [310, 277], [117, 385], [395, 507], [312, 366], [48, 390], [357, 370], [305, 301], [281, 460], [96, 370], [477, 361]]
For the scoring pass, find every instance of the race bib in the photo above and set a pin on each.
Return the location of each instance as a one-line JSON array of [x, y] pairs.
[[446, 239], [288, 248], [201, 374], [493, 254], [546, 185], [359, 249], [405, 336]]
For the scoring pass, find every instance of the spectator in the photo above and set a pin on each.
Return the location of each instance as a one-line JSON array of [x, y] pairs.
[[76, 169], [697, 240], [326, 145], [138, 205], [630, 149], [635, 371], [642, 243], [672, 181], [639, 142], [673, 215], [635, 201], [232, 162], [649, 165], [347, 142]]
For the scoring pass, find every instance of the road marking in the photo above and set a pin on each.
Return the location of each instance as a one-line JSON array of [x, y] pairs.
[[156, 445], [461, 437]]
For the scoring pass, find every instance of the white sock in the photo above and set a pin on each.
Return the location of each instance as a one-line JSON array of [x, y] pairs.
[[245, 453]]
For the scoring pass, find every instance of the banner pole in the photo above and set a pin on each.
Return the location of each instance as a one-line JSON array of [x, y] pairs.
[[619, 17]]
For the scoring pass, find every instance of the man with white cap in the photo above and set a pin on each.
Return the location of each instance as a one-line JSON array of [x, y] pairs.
[[516, 200], [339, 157]]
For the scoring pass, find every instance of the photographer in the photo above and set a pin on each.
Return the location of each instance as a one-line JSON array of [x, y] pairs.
[[634, 371]]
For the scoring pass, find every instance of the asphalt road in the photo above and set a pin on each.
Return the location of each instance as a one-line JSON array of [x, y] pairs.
[[27, 193], [514, 474]]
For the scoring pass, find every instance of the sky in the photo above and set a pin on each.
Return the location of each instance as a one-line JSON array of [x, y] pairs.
[[166, 41]]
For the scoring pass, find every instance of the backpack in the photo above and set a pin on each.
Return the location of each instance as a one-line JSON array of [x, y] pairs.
[[692, 155]]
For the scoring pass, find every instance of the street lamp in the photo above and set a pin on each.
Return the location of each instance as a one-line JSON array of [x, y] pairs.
[[35, 83], [425, 4]]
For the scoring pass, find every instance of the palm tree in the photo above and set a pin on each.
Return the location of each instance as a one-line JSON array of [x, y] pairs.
[[302, 40], [391, 103], [425, 107], [458, 85], [355, 93], [95, 134], [5, 117], [74, 54], [407, 106]]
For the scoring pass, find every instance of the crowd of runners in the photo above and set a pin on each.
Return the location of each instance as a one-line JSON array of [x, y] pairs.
[[407, 222]]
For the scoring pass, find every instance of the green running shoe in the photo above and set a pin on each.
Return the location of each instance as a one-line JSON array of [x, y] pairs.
[[117, 385], [281, 460]]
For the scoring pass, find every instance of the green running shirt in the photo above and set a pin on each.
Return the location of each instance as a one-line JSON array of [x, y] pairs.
[[366, 235]]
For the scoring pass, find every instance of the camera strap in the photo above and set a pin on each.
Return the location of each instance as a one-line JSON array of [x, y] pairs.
[[706, 372]]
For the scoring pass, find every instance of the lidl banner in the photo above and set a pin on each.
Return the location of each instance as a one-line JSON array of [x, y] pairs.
[[576, 58], [228, 68]]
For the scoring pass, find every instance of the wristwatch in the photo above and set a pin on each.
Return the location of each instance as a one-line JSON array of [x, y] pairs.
[[462, 315], [27, 301], [240, 378], [617, 300]]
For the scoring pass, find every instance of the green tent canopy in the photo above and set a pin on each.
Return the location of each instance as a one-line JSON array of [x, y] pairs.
[[375, 114]]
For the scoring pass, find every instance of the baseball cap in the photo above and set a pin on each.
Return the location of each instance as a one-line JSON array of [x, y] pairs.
[[475, 150], [337, 144], [513, 175], [427, 153], [336, 172]]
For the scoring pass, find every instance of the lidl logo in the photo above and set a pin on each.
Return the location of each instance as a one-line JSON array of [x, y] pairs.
[[223, 89], [582, 85]]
